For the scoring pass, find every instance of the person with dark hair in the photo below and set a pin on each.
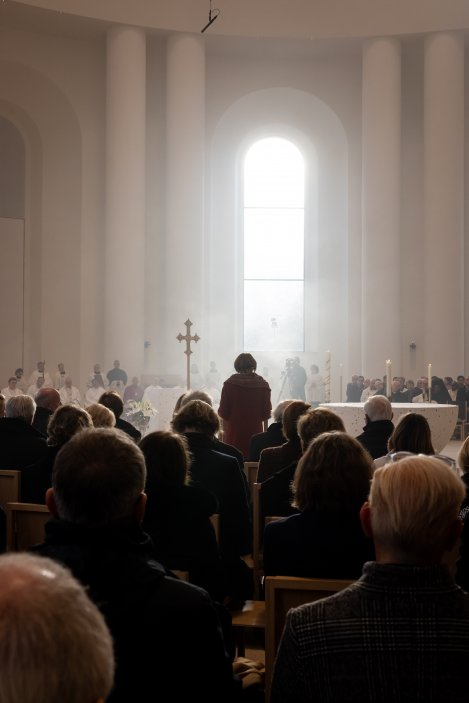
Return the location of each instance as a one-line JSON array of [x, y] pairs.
[[325, 539], [245, 404], [276, 497], [220, 474], [113, 401], [65, 422], [21, 381], [439, 392], [117, 377], [177, 516], [164, 630], [12, 389], [398, 393], [411, 434], [133, 391], [217, 444], [273, 459]]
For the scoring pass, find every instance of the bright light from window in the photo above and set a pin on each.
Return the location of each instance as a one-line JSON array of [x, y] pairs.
[[274, 246]]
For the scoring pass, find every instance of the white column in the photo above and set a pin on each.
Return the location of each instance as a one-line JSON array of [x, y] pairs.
[[444, 202], [125, 198], [381, 135], [185, 150]]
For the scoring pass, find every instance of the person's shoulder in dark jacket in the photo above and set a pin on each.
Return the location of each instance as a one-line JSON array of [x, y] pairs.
[[129, 429], [228, 449], [273, 437], [375, 437]]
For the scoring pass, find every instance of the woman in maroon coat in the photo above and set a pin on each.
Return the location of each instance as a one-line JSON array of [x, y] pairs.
[[245, 404]]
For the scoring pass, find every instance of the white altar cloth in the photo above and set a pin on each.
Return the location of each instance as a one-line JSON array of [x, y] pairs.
[[163, 400], [441, 418]]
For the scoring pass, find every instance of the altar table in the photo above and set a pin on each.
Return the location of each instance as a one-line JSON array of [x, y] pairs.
[[441, 418]]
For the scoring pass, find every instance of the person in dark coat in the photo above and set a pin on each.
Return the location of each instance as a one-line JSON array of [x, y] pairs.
[[20, 443], [378, 427], [273, 436], [221, 475], [398, 394], [274, 459], [47, 401], [217, 444], [276, 496], [325, 540], [66, 421], [167, 633], [177, 515], [354, 390], [113, 401], [245, 404]]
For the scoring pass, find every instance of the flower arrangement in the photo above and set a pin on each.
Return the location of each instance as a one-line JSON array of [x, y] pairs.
[[138, 413]]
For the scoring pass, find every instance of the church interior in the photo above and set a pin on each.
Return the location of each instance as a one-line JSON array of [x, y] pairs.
[[125, 136]]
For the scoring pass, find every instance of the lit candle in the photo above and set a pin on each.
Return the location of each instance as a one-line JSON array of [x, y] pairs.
[[327, 378], [388, 378], [429, 382]]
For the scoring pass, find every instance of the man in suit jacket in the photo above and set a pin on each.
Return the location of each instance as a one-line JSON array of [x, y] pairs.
[[20, 443], [273, 436]]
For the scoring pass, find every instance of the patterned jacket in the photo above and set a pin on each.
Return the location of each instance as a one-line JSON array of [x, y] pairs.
[[399, 634]]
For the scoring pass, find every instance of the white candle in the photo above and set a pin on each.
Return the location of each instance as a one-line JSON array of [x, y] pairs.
[[388, 378], [340, 390], [429, 381]]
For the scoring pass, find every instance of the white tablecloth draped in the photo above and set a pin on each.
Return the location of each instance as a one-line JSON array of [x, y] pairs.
[[441, 418]]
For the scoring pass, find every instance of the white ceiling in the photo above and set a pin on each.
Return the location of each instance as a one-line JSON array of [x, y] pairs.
[[260, 19]]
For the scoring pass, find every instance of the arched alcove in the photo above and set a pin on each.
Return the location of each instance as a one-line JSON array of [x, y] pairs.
[[318, 133]]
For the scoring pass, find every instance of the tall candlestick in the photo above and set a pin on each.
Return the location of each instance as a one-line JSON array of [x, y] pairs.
[[429, 382], [327, 378], [388, 378]]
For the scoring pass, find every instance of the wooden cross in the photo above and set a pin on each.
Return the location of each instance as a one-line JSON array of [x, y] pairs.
[[188, 350]]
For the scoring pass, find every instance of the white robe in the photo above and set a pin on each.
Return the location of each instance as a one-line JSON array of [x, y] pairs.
[[93, 395], [70, 396], [35, 375], [8, 393], [314, 388], [59, 380]]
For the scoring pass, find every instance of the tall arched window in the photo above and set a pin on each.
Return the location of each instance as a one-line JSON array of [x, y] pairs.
[[274, 185]]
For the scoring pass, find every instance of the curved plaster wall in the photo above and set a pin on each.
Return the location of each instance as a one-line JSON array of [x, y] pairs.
[[52, 214]]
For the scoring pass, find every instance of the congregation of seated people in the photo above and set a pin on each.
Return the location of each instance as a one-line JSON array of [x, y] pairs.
[[131, 515]]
